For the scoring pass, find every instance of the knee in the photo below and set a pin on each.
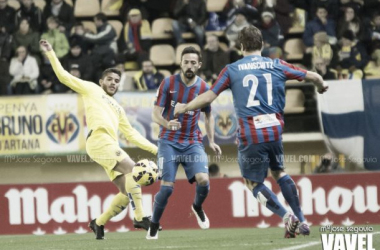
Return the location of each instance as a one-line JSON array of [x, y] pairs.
[[278, 174], [164, 193], [203, 182], [202, 179], [250, 184]]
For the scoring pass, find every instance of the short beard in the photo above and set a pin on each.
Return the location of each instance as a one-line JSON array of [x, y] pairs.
[[110, 94], [189, 77]]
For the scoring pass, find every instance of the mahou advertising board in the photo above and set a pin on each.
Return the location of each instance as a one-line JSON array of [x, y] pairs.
[[344, 199]]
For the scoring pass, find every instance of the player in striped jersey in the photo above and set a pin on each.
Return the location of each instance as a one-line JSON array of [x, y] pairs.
[[181, 139], [258, 88]]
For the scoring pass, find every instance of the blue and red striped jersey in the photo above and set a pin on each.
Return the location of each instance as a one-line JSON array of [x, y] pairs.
[[258, 88], [171, 91]]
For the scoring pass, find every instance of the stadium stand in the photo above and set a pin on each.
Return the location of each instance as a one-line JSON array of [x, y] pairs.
[[86, 8], [294, 49], [162, 28], [162, 55], [110, 8], [295, 100]]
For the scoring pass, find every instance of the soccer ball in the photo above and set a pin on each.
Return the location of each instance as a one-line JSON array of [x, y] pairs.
[[145, 172]]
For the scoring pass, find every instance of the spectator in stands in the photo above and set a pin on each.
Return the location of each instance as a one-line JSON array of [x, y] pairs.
[[57, 39], [322, 49], [191, 16], [7, 17], [137, 37], [31, 12], [77, 57], [329, 164], [272, 35], [352, 56], [352, 53], [214, 59], [24, 70], [77, 37], [27, 38], [148, 78], [5, 44], [321, 67], [103, 53], [375, 34], [63, 12], [126, 6], [283, 10], [351, 21], [240, 7], [47, 80], [232, 31], [332, 7], [5, 55], [214, 171], [320, 23]]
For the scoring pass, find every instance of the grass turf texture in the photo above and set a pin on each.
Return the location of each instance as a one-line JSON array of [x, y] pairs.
[[233, 238]]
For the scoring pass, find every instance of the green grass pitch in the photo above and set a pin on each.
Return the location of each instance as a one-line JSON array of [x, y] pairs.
[[233, 238]]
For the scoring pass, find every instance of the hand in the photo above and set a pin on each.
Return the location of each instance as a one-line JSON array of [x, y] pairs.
[[322, 89], [179, 109], [45, 46], [215, 147], [174, 125]]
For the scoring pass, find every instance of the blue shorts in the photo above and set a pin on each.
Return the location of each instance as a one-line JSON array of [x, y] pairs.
[[192, 157], [255, 159]]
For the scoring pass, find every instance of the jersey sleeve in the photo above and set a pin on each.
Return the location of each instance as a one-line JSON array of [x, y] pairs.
[[222, 83], [134, 136], [162, 93], [290, 71], [76, 84]]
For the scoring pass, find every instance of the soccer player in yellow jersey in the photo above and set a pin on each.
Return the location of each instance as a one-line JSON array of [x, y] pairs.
[[104, 117]]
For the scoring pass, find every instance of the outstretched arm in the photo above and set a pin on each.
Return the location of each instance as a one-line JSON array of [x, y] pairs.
[[317, 79], [76, 84], [134, 136], [200, 101], [210, 124]]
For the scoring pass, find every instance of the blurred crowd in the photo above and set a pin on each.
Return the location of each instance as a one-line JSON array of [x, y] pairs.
[[340, 39]]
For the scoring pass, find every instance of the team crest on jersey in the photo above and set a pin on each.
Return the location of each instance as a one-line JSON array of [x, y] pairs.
[[118, 153], [62, 127], [225, 124]]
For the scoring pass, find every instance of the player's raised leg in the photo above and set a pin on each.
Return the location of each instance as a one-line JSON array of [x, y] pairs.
[[254, 161], [133, 190]]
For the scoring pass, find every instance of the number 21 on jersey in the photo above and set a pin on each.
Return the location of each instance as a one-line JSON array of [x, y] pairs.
[[255, 83]]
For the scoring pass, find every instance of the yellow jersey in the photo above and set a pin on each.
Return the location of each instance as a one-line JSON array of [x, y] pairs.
[[102, 110]]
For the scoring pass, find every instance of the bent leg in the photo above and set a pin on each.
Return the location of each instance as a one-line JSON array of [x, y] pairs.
[[266, 197], [132, 189]]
